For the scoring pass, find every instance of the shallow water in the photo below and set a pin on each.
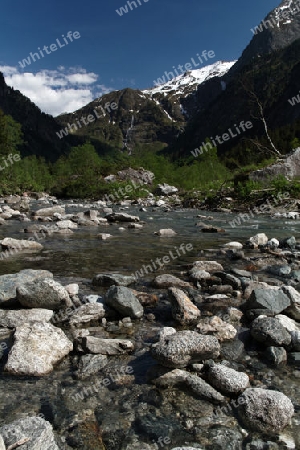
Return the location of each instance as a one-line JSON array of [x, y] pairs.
[[131, 413]]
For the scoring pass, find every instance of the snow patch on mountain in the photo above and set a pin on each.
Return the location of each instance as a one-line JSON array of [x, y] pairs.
[[182, 84]]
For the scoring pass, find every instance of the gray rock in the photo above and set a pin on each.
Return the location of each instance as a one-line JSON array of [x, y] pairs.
[[15, 318], [295, 340], [100, 346], [269, 331], [276, 355], [9, 283], [289, 168], [183, 309], [294, 309], [227, 278], [166, 232], [294, 358], [208, 266], [199, 275], [66, 224], [204, 390], [2, 445], [226, 380], [185, 347], [112, 279], [20, 244], [86, 313], [195, 383], [90, 365], [43, 293], [124, 301], [49, 212], [121, 217], [289, 243], [265, 410], [35, 433], [217, 327], [279, 271], [271, 299], [104, 236], [258, 239], [166, 189], [166, 281], [37, 347]]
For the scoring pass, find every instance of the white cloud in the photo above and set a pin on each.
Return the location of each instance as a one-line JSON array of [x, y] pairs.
[[56, 91]]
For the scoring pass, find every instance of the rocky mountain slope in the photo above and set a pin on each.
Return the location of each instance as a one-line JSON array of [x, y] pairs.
[[156, 115]]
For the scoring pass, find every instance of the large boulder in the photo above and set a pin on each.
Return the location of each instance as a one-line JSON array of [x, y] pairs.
[[15, 318], [289, 167], [270, 299], [183, 309], [270, 331], [32, 433], [124, 301], [45, 293], [37, 347], [9, 283], [227, 380], [265, 410], [17, 245], [184, 348]]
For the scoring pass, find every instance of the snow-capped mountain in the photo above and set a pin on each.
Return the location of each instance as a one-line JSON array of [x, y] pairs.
[[279, 29], [189, 81]]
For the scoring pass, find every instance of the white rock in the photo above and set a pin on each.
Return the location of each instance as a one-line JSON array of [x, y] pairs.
[[37, 347]]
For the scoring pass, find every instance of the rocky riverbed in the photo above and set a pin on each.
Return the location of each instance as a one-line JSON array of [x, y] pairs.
[[144, 327]]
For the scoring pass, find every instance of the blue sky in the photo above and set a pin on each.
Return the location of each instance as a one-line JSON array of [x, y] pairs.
[[113, 51]]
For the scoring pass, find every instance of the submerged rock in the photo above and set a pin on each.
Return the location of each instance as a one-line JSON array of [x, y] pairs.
[[32, 433], [112, 279]]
